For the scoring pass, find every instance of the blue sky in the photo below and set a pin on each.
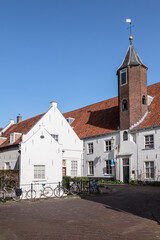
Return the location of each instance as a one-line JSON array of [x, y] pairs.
[[69, 50]]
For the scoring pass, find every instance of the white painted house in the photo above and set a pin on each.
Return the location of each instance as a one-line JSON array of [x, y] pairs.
[[43, 148]]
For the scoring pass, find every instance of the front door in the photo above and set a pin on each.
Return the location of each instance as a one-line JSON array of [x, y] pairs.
[[126, 170]]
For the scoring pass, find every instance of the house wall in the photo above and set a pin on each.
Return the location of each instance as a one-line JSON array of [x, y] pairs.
[[72, 147], [10, 155], [99, 155], [40, 151], [145, 155]]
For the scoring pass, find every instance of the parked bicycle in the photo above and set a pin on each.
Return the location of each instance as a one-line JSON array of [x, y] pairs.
[[94, 187], [7, 192], [46, 191], [59, 191]]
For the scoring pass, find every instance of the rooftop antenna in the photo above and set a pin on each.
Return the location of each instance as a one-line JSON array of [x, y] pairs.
[[128, 20]]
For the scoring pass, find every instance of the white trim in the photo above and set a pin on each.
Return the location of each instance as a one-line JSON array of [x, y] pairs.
[[122, 71]]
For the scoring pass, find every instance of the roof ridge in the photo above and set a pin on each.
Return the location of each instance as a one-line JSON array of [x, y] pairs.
[[29, 118], [90, 105]]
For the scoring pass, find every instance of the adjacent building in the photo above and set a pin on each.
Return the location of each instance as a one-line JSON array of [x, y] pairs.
[[121, 136]]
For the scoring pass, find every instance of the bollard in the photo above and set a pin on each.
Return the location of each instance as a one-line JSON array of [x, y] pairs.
[[31, 190]]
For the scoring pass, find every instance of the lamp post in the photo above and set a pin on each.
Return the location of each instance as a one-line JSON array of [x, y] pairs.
[[113, 163]]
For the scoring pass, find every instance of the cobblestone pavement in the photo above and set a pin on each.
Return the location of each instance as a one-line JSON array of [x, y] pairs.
[[124, 212]]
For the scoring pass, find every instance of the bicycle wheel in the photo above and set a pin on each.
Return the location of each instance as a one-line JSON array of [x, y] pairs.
[[31, 194], [2, 195], [74, 190], [15, 195], [59, 192], [48, 192]]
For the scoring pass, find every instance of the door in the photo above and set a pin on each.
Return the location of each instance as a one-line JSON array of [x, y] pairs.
[[126, 170]]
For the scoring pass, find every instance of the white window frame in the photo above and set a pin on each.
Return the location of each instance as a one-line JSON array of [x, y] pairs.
[[90, 148], [90, 168], [107, 145], [121, 72], [39, 172], [108, 167], [74, 168], [149, 143], [149, 170]]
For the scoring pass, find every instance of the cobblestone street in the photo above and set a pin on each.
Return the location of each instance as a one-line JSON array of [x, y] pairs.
[[125, 212]]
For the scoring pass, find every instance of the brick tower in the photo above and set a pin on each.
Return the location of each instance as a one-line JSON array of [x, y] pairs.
[[132, 88]]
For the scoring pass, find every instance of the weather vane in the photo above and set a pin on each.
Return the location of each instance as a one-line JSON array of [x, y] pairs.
[[130, 27]]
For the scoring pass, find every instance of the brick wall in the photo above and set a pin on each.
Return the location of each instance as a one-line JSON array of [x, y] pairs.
[[133, 91]]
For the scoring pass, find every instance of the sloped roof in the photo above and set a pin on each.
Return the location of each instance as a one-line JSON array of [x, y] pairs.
[[131, 58], [95, 119], [103, 117], [153, 117], [22, 127]]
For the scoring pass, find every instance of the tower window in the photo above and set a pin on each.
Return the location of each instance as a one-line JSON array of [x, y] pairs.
[[124, 105], [123, 76], [144, 100]]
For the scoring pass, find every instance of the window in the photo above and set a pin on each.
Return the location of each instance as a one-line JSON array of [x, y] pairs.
[[124, 105], [149, 170], [74, 168], [55, 136], [108, 145], [90, 148], [123, 76], [125, 136], [144, 100], [39, 171], [149, 142], [90, 168], [108, 167]]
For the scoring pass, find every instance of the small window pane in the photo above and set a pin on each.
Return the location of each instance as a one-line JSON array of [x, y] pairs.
[[39, 171], [74, 168], [90, 168], [108, 146], [90, 148], [149, 142], [108, 167]]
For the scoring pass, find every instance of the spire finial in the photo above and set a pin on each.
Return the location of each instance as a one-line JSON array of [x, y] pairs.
[[130, 27]]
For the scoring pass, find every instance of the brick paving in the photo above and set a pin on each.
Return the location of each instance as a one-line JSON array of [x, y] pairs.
[[124, 212]]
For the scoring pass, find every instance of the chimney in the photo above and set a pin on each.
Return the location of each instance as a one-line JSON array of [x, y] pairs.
[[19, 118], [53, 104]]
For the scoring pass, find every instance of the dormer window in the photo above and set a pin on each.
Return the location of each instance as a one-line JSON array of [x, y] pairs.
[[124, 105], [144, 100], [70, 120], [123, 77]]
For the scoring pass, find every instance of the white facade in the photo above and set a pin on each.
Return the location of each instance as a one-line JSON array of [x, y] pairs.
[[47, 147], [101, 155], [142, 164]]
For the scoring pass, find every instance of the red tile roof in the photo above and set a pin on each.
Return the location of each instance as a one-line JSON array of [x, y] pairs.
[[103, 117], [95, 119], [22, 127], [153, 117], [98, 118]]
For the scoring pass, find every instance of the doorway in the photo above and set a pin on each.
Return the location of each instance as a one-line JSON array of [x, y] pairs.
[[126, 170]]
